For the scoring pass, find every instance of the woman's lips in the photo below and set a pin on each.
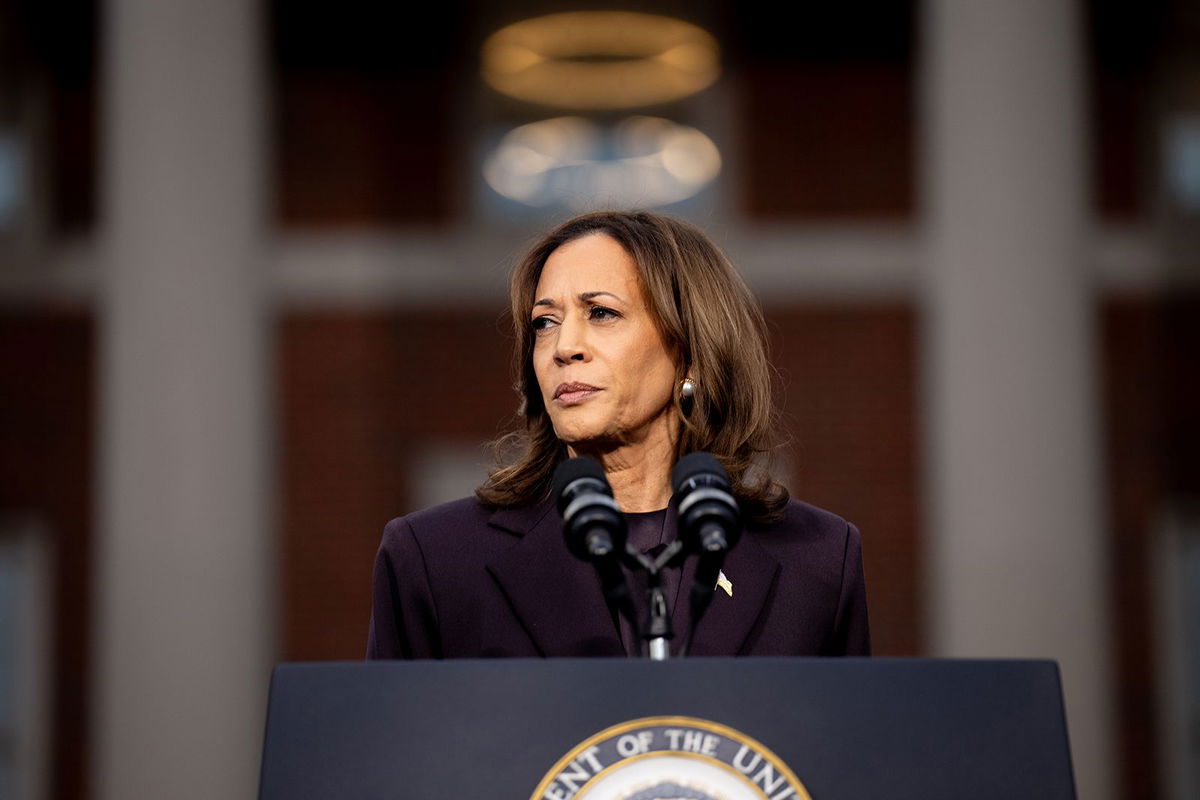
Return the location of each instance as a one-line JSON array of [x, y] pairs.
[[572, 393]]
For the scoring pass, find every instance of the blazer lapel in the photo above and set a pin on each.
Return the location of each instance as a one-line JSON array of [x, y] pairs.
[[727, 623], [559, 601], [556, 597]]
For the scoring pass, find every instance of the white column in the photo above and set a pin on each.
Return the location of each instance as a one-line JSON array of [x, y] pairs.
[[185, 628], [1017, 544]]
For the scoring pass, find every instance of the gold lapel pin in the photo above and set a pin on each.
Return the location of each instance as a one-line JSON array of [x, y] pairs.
[[724, 583]]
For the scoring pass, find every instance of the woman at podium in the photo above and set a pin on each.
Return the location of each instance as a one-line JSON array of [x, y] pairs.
[[636, 343]]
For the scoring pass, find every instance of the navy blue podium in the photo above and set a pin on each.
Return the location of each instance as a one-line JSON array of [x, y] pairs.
[[775, 728]]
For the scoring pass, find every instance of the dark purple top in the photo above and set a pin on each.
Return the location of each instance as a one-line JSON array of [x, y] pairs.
[[462, 580]]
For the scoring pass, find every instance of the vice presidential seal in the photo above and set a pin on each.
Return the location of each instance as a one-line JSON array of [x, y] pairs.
[[670, 758]]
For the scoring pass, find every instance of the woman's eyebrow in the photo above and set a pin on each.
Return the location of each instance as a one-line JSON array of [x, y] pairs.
[[585, 296], [591, 295]]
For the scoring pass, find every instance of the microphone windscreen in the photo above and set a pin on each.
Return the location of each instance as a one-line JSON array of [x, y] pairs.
[[572, 470], [694, 464]]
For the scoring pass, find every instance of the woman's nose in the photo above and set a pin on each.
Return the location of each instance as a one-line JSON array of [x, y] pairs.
[[572, 343]]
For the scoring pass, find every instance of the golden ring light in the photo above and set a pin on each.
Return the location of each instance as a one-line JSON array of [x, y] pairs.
[[600, 59]]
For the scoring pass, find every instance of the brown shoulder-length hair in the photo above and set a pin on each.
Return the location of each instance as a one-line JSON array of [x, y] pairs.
[[708, 319]]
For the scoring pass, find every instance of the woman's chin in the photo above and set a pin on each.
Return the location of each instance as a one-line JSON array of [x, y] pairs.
[[575, 427]]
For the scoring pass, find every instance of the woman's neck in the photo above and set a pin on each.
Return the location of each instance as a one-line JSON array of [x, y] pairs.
[[639, 473], [638, 484]]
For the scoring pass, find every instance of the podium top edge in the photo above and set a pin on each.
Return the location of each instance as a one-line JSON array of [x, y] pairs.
[[508, 663]]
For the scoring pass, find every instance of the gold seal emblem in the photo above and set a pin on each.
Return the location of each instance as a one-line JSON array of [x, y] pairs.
[[670, 758]]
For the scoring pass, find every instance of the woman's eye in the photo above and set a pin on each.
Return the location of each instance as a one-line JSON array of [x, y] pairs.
[[540, 324], [601, 313]]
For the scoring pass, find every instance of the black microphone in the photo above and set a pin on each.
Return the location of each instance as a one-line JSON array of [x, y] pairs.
[[709, 524], [593, 525], [709, 520]]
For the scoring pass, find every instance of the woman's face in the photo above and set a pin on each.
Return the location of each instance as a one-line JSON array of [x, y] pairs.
[[604, 372]]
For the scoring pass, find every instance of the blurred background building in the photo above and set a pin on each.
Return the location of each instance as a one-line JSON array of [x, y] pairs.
[[253, 263]]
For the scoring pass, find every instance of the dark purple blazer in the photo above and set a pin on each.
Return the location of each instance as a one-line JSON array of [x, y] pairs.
[[463, 581]]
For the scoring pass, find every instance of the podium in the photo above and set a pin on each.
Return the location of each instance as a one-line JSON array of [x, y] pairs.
[[601, 729]]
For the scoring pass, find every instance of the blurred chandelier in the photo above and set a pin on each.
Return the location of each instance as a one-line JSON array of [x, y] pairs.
[[600, 60], [642, 161]]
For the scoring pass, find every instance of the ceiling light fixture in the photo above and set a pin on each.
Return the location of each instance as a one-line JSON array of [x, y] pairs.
[[576, 163], [600, 60]]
